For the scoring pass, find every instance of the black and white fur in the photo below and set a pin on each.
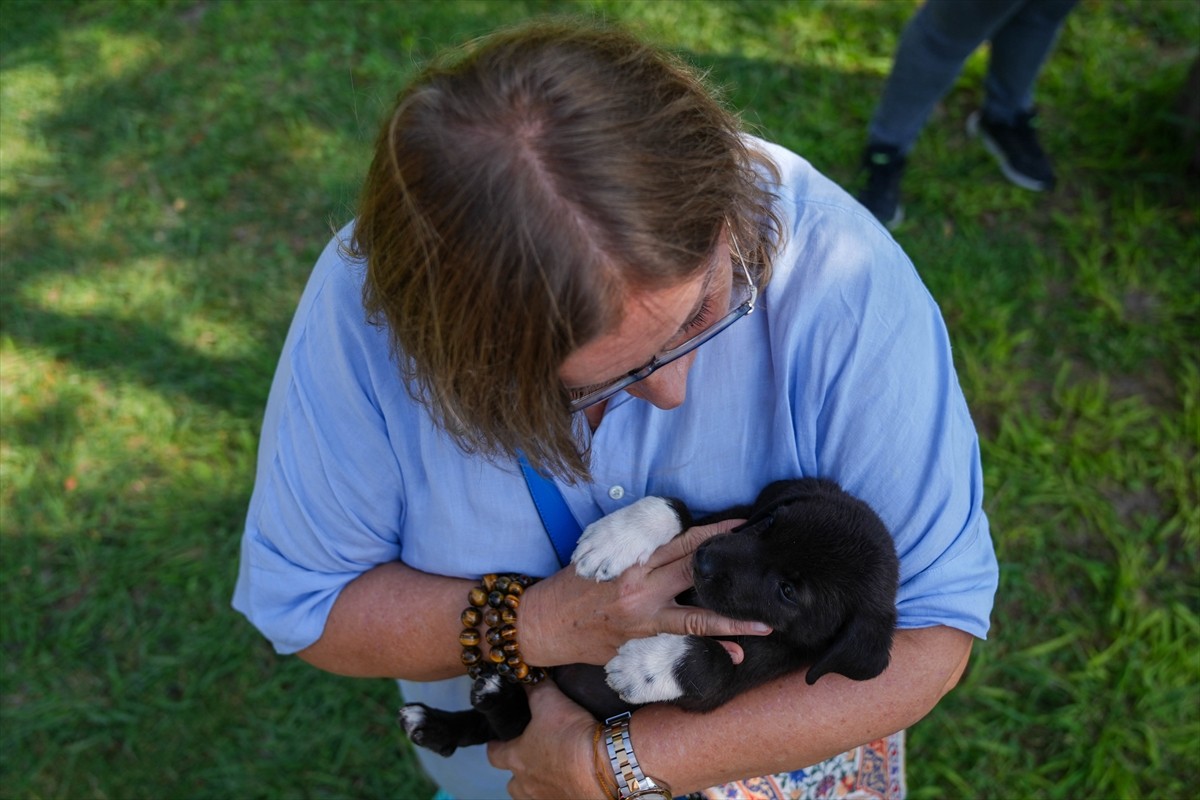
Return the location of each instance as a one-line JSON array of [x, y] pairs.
[[812, 561]]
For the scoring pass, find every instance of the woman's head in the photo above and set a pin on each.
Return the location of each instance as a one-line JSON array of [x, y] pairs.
[[522, 191]]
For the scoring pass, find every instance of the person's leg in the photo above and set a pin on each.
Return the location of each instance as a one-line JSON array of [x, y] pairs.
[[1005, 124], [933, 47], [1019, 49]]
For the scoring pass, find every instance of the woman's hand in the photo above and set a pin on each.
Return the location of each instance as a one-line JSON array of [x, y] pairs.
[[553, 757], [567, 619]]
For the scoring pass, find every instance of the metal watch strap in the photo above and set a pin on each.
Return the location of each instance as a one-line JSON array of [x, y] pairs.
[[631, 781]]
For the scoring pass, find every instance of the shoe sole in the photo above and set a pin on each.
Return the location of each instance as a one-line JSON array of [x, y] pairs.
[[975, 130]]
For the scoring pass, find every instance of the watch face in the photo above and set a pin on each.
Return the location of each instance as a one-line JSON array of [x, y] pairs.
[[650, 789]]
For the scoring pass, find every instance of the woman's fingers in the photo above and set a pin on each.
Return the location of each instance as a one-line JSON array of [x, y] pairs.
[[683, 545], [553, 756], [671, 568], [693, 621], [568, 619]]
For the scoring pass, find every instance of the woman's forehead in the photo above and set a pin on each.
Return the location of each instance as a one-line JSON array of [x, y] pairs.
[[650, 319]]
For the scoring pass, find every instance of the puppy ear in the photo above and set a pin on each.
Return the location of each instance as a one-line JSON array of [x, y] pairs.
[[757, 523], [861, 650], [781, 493], [778, 492]]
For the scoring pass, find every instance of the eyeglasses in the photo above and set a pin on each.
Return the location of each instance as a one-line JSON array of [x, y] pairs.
[[743, 296]]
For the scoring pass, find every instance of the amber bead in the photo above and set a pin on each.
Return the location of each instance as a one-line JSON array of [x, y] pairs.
[[492, 617], [508, 616], [510, 647], [496, 655], [492, 637], [503, 582], [475, 670], [470, 617], [512, 601], [520, 670], [469, 637], [495, 599], [477, 597], [515, 589], [471, 655], [508, 632], [505, 670], [488, 581]]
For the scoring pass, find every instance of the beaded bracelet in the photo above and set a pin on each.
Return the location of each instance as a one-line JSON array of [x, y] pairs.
[[495, 602]]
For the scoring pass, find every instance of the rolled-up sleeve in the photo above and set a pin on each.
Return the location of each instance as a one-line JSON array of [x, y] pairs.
[[898, 433], [328, 497]]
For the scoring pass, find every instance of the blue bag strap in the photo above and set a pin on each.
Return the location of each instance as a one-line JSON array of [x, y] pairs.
[[557, 518]]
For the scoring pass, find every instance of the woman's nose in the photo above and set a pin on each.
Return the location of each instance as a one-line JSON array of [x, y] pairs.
[[667, 388]]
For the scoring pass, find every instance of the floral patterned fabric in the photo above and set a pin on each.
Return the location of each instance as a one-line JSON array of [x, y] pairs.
[[874, 771]]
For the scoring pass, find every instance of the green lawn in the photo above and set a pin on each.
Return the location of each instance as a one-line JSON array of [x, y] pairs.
[[169, 172]]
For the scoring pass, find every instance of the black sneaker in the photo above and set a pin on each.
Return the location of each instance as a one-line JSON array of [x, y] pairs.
[[884, 167], [881, 196], [1016, 147]]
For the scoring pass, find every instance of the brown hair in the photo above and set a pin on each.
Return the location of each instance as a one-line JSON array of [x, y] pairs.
[[519, 189]]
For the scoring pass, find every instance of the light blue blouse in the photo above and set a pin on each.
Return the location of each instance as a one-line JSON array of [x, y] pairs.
[[844, 371]]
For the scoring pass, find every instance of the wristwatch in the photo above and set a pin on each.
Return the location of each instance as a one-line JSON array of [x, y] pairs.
[[632, 783]]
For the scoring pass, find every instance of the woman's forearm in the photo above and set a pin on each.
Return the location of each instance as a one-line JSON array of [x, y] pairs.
[[787, 724], [393, 622]]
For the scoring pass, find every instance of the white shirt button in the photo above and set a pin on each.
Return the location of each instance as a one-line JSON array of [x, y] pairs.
[[616, 492]]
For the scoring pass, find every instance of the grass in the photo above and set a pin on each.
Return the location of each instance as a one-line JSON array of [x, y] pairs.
[[168, 174]]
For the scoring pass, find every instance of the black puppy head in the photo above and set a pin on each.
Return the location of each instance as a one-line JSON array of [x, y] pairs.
[[815, 564]]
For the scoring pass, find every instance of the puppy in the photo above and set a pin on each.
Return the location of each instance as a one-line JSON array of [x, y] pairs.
[[811, 561]]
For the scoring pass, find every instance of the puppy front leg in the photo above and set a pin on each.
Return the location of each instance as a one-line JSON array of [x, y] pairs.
[[500, 711], [443, 732], [505, 705], [693, 672], [628, 536]]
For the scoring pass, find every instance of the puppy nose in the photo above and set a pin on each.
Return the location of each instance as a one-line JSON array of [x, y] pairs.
[[704, 563]]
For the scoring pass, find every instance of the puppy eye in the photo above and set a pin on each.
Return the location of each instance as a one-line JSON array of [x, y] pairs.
[[788, 592]]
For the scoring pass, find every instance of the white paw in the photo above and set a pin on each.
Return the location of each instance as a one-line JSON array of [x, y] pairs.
[[613, 544], [412, 717], [643, 671]]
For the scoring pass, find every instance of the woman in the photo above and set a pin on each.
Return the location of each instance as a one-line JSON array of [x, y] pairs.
[[555, 222]]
